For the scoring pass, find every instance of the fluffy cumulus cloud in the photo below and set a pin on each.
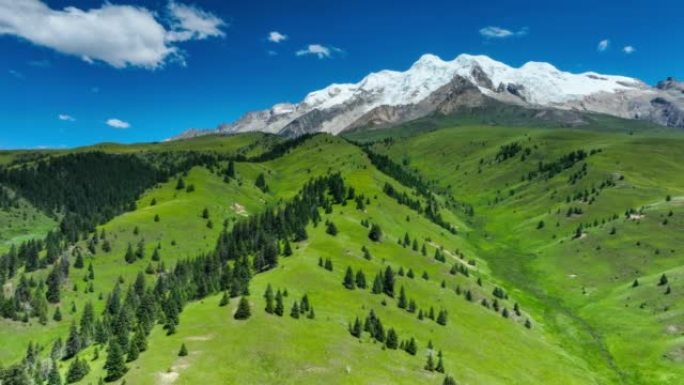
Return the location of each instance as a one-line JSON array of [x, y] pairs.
[[119, 35], [116, 123], [276, 37], [603, 45], [493, 32], [65, 118], [190, 22], [629, 49], [321, 51]]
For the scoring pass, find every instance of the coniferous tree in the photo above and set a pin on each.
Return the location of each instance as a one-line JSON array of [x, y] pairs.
[[448, 380], [377, 285], [287, 249], [230, 171], [183, 351], [77, 370], [130, 256], [349, 279], [304, 304], [311, 314], [180, 184], [54, 378], [388, 282], [663, 280], [54, 281], [58, 315], [440, 363], [430, 364], [155, 255], [73, 343], [331, 228], [294, 312], [360, 279], [402, 301], [392, 341], [411, 347], [375, 233], [243, 311], [115, 365], [268, 296], [79, 263], [260, 183], [355, 328], [328, 264], [133, 352], [279, 306], [442, 317]]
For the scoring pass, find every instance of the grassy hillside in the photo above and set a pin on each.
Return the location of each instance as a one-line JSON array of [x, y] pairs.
[[530, 255], [627, 204]]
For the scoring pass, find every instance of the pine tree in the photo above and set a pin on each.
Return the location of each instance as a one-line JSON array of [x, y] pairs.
[[430, 364], [349, 279], [279, 306], [442, 317], [388, 282], [448, 380], [268, 296], [77, 370], [78, 263], [360, 279], [311, 314], [129, 257], [183, 351], [287, 249], [73, 343], [58, 315], [377, 285], [328, 264], [260, 183], [440, 363], [155, 255], [402, 303], [411, 347], [375, 233], [230, 171], [663, 280], [392, 341], [528, 324], [180, 184], [114, 365], [331, 228], [294, 312], [355, 328], [133, 352], [54, 378], [304, 304], [243, 311]]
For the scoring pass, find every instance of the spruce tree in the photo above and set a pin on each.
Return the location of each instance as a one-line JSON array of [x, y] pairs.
[[279, 306], [243, 311], [77, 370], [430, 364], [377, 285], [440, 363], [268, 296], [448, 380], [73, 343], [287, 249], [442, 317], [375, 233], [294, 312], [130, 256], [388, 282], [183, 351], [402, 302], [663, 280], [355, 328], [230, 171], [133, 352], [392, 341], [58, 315], [360, 279], [349, 279], [331, 229], [115, 365], [411, 347], [54, 378]]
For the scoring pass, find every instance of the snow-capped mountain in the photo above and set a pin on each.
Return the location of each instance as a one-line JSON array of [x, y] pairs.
[[432, 85]]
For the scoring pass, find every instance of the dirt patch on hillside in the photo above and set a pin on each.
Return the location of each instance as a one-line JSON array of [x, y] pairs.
[[239, 209]]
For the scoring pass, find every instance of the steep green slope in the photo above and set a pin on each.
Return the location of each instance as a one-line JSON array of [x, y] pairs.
[[575, 238]]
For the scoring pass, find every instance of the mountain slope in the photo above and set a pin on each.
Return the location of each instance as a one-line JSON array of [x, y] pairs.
[[389, 97]]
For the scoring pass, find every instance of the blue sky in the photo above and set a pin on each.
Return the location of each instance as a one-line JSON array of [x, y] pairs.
[[131, 71]]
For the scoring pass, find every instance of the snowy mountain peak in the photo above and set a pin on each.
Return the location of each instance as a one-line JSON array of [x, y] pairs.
[[388, 96]]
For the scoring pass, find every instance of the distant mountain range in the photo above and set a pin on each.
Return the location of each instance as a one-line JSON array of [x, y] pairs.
[[435, 86]]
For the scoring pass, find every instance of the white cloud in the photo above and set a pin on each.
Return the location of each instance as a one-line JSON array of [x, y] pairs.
[[276, 37], [191, 22], [319, 50], [629, 50], [119, 35], [16, 74], [116, 123], [65, 118], [493, 32], [603, 45]]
